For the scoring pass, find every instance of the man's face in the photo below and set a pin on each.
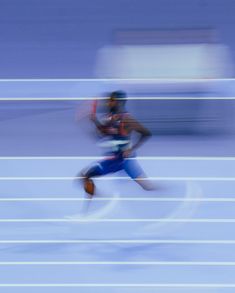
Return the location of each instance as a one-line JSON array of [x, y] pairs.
[[112, 104]]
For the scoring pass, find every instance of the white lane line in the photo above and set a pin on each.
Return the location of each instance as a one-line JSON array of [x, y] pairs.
[[35, 99], [20, 99], [127, 285], [136, 199], [54, 158], [115, 79], [163, 199], [120, 220], [122, 263], [68, 178], [157, 158], [122, 241]]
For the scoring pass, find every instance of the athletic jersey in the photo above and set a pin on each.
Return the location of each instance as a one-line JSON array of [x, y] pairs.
[[117, 139]]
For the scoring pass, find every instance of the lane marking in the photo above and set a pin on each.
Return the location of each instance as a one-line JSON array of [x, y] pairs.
[[83, 219], [136, 199], [123, 263], [136, 285], [68, 178], [121, 241], [157, 158], [20, 99], [115, 79]]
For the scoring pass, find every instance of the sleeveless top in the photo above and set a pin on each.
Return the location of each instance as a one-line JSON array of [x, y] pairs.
[[119, 140]]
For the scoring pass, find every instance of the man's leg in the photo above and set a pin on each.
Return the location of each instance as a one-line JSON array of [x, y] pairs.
[[89, 187], [134, 170], [109, 165], [97, 169], [94, 171]]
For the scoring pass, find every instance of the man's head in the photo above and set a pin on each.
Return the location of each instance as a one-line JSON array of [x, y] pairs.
[[116, 101]]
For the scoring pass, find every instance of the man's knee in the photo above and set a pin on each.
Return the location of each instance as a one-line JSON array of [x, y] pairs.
[[93, 171]]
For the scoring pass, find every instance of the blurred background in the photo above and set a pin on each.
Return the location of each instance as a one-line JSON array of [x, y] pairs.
[[176, 61], [163, 48], [66, 38]]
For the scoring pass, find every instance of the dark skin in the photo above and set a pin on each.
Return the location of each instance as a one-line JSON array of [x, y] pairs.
[[130, 125]]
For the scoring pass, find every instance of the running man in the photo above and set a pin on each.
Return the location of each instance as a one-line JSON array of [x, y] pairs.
[[117, 128]]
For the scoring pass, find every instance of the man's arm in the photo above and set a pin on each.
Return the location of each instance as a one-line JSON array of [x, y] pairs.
[[94, 119], [134, 125], [105, 128]]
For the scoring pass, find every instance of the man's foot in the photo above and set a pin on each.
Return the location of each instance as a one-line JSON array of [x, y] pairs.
[[89, 186]]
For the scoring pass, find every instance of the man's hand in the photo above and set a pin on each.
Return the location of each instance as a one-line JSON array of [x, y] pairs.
[[127, 153]]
